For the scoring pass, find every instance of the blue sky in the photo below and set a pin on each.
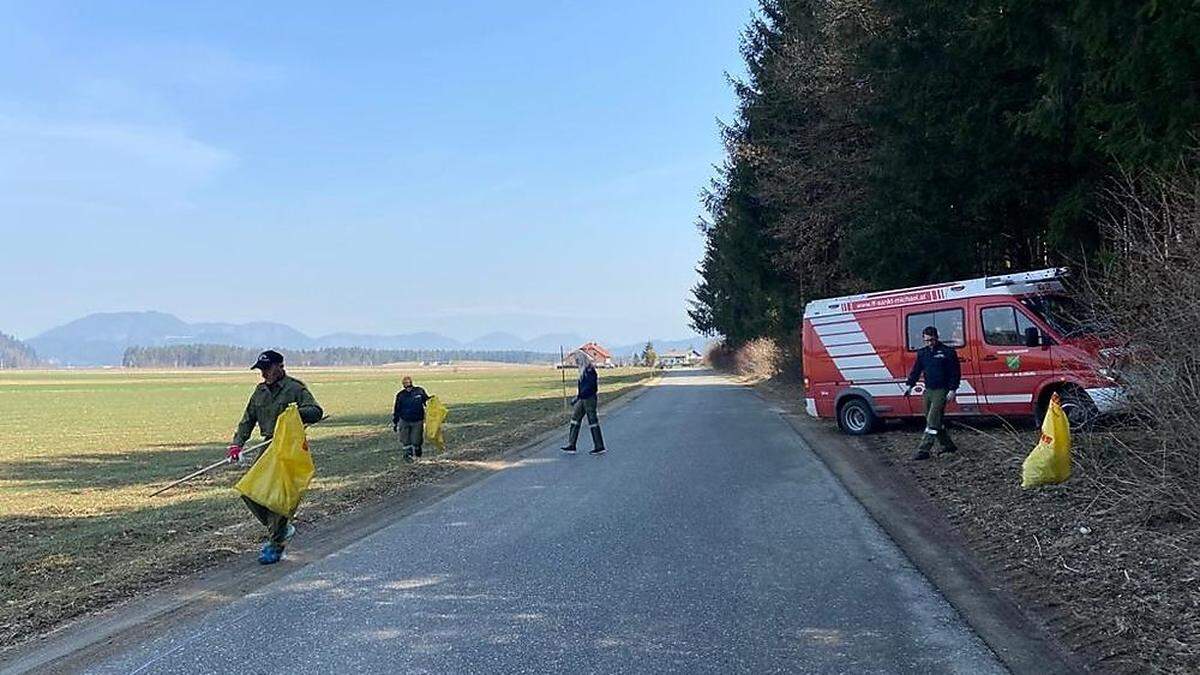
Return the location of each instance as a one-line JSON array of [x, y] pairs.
[[383, 167]]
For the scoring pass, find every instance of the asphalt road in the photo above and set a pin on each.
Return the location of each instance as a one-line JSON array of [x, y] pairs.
[[708, 539]]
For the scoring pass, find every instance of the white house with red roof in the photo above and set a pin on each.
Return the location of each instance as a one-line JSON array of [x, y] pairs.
[[600, 357]]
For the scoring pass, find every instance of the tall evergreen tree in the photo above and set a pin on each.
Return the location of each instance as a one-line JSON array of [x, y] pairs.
[[813, 156], [16, 354], [768, 241], [1119, 78], [894, 142], [958, 188]]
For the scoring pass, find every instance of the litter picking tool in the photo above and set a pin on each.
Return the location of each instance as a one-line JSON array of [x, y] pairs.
[[223, 462], [210, 467], [562, 367]]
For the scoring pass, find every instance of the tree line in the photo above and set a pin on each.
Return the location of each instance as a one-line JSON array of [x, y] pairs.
[[16, 354], [887, 143], [219, 356]]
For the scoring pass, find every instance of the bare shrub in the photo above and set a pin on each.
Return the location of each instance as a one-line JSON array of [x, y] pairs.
[[1146, 291], [761, 358], [758, 358], [720, 356]]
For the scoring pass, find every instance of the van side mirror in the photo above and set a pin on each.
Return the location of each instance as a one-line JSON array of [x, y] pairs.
[[1033, 337]]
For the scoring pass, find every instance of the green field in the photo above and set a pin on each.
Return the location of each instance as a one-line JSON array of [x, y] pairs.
[[81, 450]]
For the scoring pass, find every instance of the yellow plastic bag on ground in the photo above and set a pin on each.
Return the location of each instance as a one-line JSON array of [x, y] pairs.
[[281, 475], [1050, 461], [435, 414]]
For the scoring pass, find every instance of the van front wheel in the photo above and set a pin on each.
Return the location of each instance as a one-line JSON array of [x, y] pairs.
[[1077, 406], [856, 417]]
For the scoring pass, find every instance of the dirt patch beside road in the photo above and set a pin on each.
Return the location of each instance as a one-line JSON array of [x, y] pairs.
[[1122, 594]]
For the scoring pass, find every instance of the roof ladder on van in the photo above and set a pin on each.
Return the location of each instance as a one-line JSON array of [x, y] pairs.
[[1026, 277]]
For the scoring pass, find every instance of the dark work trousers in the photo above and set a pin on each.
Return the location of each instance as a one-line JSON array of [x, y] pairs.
[[935, 427], [585, 406], [412, 436], [275, 523]]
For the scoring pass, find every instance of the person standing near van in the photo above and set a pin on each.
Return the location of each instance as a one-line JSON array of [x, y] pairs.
[[408, 418], [939, 363], [585, 404]]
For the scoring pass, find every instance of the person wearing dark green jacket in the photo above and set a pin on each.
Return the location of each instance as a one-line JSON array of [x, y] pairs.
[[275, 394]]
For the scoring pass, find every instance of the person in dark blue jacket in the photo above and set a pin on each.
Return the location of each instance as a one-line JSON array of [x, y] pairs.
[[408, 418], [585, 403], [939, 363]]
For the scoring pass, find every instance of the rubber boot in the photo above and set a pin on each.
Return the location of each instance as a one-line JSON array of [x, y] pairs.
[[597, 441], [572, 436]]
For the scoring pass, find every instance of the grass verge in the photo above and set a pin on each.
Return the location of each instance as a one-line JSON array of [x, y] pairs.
[[80, 452], [1118, 589]]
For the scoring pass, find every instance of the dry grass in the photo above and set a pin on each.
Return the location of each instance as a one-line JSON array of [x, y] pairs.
[[80, 451], [1119, 592], [1147, 294]]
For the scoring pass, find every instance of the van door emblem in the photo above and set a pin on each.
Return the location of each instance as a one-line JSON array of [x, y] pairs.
[[1013, 362]]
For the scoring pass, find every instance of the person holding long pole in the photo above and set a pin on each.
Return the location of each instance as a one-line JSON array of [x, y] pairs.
[[585, 404], [269, 399], [562, 369]]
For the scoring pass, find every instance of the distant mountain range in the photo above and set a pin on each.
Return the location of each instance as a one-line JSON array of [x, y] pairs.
[[101, 339]]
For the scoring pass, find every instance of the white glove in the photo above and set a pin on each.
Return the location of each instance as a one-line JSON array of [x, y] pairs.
[[951, 394]]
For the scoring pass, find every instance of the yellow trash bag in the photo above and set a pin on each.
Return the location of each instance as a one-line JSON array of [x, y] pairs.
[[281, 475], [435, 414], [1050, 461]]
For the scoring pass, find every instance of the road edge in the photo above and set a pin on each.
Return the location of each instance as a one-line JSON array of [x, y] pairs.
[[78, 643], [923, 532]]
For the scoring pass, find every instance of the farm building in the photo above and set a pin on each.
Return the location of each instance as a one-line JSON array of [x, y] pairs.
[[600, 356], [675, 358]]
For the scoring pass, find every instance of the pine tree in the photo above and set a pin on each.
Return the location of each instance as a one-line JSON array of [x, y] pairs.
[[649, 356], [16, 354], [958, 187]]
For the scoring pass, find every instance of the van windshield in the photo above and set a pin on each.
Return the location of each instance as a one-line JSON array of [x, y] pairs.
[[1062, 314]]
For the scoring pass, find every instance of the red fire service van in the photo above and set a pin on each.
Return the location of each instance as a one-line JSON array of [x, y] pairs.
[[1017, 337]]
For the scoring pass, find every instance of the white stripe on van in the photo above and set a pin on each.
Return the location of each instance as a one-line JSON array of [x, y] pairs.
[[884, 389], [836, 328], [846, 339], [867, 374], [863, 349], [1009, 398], [865, 361], [832, 319], [964, 387]]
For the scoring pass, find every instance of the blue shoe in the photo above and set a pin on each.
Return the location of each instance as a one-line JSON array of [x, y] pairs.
[[271, 554]]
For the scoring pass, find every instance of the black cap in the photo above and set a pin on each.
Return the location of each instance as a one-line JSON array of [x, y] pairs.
[[267, 358]]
